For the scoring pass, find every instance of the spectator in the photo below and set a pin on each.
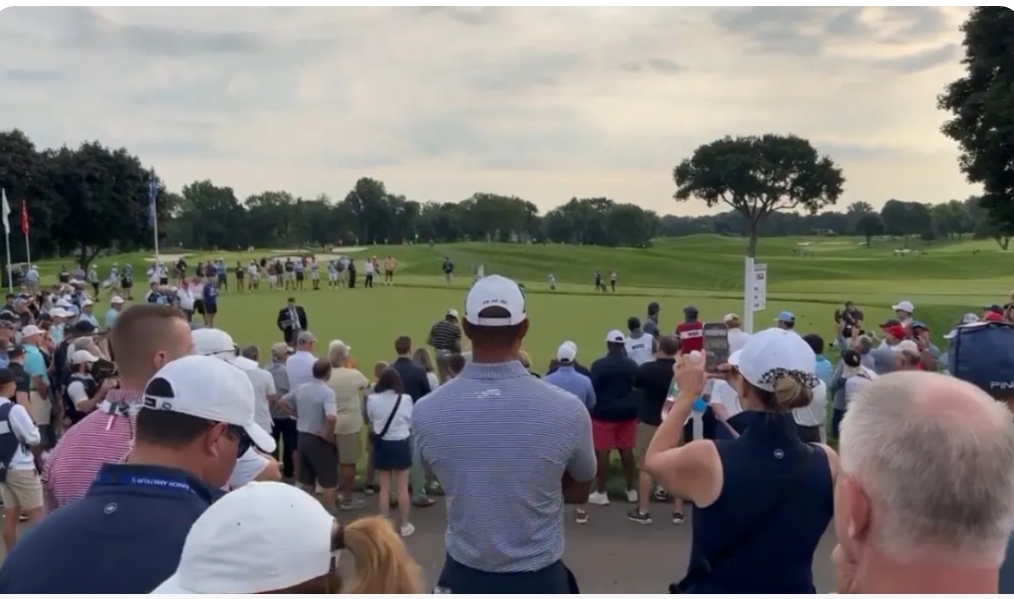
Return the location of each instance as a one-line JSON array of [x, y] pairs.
[[421, 356], [35, 366], [913, 445], [614, 417], [20, 489], [640, 346], [884, 359], [568, 379], [554, 364], [445, 338], [455, 364], [417, 386], [196, 420], [653, 380], [907, 356], [314, 406], [283, 425], [737, 337], [524, 435], [785, 320], [526, 361], [651, 322], [903, 311], [217, 556], [852, 375], [299, 366], [762, 500], [349, 386], [145, 338], [389, 411]]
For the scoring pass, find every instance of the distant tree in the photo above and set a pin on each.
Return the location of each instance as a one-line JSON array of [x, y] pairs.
[[988, 228], [982, 103], [758, 176], [869, 226]]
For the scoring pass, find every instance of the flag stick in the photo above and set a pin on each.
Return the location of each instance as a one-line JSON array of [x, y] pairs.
[[10, 269]]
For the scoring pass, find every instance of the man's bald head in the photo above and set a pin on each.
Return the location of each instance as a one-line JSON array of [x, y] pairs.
[[927, 471]]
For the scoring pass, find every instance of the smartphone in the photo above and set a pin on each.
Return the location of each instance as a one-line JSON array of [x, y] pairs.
[[716, 345]]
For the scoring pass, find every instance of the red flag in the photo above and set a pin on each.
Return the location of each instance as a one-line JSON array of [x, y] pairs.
[[24, 218]]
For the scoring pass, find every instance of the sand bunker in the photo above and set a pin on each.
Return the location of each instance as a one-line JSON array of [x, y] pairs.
[[165, 258]]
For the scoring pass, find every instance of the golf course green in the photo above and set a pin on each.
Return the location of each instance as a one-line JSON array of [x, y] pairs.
[[807, 276]]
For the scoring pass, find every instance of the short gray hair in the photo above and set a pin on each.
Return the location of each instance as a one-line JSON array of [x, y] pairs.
[[935, 456], [250, 352], [337, 353]]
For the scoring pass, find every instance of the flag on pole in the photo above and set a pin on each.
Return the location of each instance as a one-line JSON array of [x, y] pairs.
[[152, 195], [5, 209], [24, 218]]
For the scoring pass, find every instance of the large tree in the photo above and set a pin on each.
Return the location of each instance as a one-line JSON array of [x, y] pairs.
[[758, 176], [869, 226], [982, 103]]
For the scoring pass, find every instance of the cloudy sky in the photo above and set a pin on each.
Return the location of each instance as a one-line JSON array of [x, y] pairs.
[[439, 103]]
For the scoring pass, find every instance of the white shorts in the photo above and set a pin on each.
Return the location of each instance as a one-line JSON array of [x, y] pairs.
[[273, 279], [315, 276], [332, 276]]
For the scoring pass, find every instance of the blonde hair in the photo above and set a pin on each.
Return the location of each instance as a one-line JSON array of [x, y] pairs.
[[422, 357], [524, 358], [383, 563], [789, 393]]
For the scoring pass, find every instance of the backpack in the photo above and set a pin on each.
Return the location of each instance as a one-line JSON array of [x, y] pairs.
[[9, 442], [983, 354]]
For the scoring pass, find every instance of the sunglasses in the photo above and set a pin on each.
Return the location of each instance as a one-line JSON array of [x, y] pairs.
[[244, 440]]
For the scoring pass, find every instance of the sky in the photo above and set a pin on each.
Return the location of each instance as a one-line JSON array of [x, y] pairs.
[[439, 103]]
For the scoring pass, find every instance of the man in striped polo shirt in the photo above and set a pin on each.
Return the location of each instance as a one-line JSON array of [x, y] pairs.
[[445, 337], [509, 450], [145, 338]]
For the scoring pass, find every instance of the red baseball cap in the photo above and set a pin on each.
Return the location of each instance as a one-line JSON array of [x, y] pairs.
[[991, 316]]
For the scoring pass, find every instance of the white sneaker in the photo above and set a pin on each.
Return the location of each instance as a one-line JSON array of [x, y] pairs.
[[631, 495], [407, 530], [598, 498]]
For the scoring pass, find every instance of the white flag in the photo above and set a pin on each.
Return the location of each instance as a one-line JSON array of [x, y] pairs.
[[5, 209]]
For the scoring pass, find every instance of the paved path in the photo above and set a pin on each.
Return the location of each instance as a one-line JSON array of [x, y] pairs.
[[609, 554]]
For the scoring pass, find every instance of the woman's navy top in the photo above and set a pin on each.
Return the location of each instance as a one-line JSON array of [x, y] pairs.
[[778, 556]]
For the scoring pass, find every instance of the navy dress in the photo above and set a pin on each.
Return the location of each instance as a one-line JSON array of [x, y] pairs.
[[778, 556]]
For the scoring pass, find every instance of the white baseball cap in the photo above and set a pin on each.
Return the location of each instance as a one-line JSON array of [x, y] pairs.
[[209, 388], [222, 552], [904, 306], [83, 356], [30, 331], [730, 317], [219, 344], [567, 352], [495, 291], [63, 303], [60, 313], [87, 303], [452, 312], [115, 300], [615, 336], [906, 345], [773, 351]]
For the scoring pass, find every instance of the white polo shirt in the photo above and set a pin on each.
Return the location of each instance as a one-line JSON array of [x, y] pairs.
[[299, 368]]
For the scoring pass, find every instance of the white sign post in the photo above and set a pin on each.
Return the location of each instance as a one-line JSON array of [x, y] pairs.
[[755, 291]]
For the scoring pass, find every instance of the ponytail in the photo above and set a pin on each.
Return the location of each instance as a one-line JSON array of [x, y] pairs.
[[383, 564]]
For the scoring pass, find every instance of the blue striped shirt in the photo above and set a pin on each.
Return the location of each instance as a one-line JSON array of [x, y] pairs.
[[568, 379], [499, 441]]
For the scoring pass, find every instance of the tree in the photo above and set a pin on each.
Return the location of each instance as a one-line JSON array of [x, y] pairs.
[[869, 226], [758, 176], [982, 103], [988, 228]]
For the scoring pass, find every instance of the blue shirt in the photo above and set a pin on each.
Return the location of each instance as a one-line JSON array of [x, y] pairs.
[[124, 536], [825, 370], [568, 379], [499, 441], [209, 294], [35, 364], [111, 317], [90, 318]]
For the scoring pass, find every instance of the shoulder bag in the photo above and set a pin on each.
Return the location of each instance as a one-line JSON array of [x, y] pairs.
[[376, 437]]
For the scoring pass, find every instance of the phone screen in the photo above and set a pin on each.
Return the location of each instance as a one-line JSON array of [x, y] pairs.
[[716, 345]]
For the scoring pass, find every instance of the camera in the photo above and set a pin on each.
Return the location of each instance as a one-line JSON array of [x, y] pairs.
[[850, 316]]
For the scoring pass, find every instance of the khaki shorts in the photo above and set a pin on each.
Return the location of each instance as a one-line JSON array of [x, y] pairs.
[[350, 447], [23, 488], [42, 409], [645, 432]]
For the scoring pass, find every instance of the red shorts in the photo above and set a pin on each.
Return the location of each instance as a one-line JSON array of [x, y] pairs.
[[614, 435]]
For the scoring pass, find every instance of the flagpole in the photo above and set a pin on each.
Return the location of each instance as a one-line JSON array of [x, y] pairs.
[[10, 270], [152, 195], [7, 238], [28, 251], [25, 230]]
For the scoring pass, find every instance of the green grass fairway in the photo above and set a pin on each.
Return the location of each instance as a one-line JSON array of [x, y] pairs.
[[704, 270]]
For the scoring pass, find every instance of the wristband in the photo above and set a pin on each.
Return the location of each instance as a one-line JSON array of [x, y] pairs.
[[699, 405]]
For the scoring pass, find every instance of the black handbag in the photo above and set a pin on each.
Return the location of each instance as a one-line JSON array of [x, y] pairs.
[[376, 437], [702, 569]]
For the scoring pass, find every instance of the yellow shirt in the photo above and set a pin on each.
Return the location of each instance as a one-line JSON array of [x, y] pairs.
[[348, 385]]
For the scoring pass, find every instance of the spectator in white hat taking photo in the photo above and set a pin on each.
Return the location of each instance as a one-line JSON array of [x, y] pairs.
[[763, 500], [903, 310]]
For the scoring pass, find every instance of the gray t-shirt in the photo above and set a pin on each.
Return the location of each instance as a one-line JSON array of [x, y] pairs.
[[277, 370], [312, 402]]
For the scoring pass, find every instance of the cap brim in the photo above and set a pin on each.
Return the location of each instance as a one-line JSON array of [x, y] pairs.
[[171, 587], [951, 335], [260, 437]]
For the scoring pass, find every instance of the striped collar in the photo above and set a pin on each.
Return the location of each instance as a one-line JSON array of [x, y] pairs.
[[494, 371]]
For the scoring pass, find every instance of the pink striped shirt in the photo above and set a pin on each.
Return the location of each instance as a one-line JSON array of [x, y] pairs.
[[99, 438]]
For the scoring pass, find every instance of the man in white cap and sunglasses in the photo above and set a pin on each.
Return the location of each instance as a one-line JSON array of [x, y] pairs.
[[496, 428], [196, 418], [251, 465]]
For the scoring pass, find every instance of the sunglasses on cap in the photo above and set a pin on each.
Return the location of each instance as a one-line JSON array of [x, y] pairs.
[[244, 440]]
